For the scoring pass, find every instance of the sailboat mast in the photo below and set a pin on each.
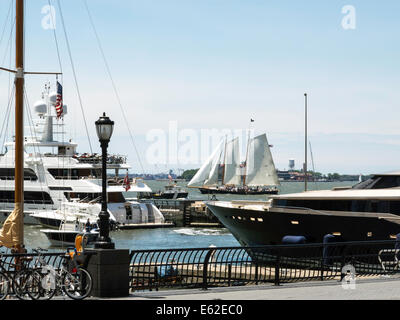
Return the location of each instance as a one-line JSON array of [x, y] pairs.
[[19, 115], [247, 155], [224, 167]]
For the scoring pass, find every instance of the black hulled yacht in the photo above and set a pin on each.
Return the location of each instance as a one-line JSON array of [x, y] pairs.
[[369, 210]]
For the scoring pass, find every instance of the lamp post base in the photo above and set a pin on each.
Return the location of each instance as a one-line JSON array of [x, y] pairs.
[[104, 245], [110, 272]]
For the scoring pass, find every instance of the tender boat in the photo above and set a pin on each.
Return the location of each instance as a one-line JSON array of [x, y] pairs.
[[171, 191], [67, 233]]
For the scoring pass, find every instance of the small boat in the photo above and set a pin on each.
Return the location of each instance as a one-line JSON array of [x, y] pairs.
[[171, 191], [67, 233]]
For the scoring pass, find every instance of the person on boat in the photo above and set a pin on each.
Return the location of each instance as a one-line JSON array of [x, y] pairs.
[[88, 225], [77, 224]]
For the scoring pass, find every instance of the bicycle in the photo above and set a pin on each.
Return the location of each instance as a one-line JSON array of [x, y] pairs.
[[14, 281], [41, 278], [71, 279], [5, 282]]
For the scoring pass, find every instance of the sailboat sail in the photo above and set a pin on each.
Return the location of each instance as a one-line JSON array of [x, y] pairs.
[[260, 165], [232, 162], [208, 173], [11, 235]]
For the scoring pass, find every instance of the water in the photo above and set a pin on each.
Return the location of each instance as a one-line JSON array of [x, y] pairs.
[[170, 238]]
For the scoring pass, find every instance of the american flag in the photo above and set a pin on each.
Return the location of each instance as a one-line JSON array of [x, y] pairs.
[[127, 183], [59, 101]]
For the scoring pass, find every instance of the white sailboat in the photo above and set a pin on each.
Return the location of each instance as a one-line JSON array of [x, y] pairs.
[[256, 176]]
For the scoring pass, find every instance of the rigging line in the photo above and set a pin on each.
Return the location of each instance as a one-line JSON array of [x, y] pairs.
[[55, 38], [112, 81], [74, 74], [5, 22], [9, 45], [6, 119]]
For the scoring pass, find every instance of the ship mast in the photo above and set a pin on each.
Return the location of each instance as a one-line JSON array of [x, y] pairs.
[[19, 118], [247, 155], [224, 167]]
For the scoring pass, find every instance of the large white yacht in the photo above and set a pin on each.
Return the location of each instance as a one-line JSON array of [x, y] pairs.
[[55, 173]]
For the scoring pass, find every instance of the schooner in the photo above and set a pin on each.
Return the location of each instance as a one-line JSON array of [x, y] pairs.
[[257, 175]]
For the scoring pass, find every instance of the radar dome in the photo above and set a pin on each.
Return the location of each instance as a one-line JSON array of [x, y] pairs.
[[40, 107], [53, 97]]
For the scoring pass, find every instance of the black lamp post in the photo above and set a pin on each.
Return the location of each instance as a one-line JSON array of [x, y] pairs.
[[104, 128]]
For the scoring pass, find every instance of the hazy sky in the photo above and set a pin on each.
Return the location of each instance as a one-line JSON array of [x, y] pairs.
[[214, 64]]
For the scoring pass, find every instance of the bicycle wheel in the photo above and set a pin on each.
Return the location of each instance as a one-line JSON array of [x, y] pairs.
[[41, 286], [4, 286], [77, 285], [22, 283]]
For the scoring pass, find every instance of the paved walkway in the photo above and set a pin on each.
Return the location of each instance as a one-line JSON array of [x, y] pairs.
[[371, 289]]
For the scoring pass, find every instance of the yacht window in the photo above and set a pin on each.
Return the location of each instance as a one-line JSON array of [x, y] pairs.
[[73, 174], [387, 182], [35, 197], [115, 197], [379, 182], [9, 174], [61, 151], [82, 196], [381, 206]]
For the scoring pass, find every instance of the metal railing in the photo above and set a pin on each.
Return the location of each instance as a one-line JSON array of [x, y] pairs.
[[12, 262], [234, 266]]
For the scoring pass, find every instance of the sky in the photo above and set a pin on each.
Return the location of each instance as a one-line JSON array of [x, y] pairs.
[[185, 67]]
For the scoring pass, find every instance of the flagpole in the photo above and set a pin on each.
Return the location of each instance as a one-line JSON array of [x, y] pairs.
[[305, 144]]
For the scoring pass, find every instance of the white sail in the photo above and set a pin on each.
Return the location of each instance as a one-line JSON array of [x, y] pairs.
[[208, 173], [213, 177], [260, 168], [232, 163]]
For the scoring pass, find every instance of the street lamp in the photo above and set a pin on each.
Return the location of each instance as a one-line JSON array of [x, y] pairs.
[[104, 128]]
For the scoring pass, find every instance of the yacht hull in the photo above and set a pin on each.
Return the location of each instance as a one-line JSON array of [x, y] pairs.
[[62, 238], [240, 192], [28, 220], [259, 227]]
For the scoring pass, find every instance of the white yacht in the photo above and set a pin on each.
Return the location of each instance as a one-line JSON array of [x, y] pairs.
[[55, 173]]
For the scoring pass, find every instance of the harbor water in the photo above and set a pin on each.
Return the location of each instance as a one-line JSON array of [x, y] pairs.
[[184, 237]]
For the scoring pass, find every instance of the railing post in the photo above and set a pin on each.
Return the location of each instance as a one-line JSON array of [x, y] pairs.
[[256, 274], [205, 268], [229, 274], [277, 269], [322, 269]]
